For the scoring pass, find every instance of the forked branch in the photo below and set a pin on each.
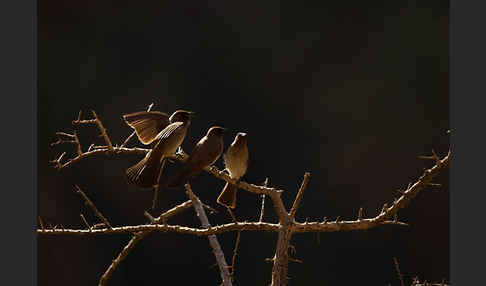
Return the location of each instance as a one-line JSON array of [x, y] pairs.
[[286, 226]]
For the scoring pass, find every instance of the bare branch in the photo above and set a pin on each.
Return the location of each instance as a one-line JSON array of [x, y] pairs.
[[96, 121], [415, 188], [57, 162], [93, 207], [75, 140], [78, 144], [435, 185], [213, 241], [295, 260], [262, 210], [60, 140], [85, 221], [298, 227], [430, 284], [281, 258], [300, 193], [138, 237], [432, 157], [103, 131], [241, 226], [126, 250], [149, 216], [285, 228], [173, 211], [341, 225], [209, 208], [273, 193], [235, 251], [101, 151], [232, 215], [397, 267]]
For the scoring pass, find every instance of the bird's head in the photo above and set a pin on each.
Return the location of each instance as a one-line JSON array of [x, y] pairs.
[[181, 116], [216, 131]]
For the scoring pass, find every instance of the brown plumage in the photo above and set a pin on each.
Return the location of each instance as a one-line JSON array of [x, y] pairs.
[[145, 173], [148, 124], [236, 161], [205, 153]]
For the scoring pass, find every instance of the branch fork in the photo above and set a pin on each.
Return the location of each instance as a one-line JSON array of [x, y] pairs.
[[286, 227]]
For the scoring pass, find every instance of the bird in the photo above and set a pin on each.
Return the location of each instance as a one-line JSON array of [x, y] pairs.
[[145, 173], [148, 124], [236, 162], [206, 152]]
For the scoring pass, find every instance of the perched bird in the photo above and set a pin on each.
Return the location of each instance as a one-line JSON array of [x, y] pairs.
[[148, 124], [205, 153], [145, 173], [236, 161]]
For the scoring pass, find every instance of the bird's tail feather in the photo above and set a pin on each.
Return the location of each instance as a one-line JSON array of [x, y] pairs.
[[227, 197], [145, 173]]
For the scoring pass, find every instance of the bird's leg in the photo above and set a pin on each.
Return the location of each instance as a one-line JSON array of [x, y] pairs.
[[180, 153]]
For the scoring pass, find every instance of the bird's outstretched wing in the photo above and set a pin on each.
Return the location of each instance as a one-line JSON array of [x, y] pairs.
[[147, 125]]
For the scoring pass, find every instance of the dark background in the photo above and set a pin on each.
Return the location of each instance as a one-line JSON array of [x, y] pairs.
[[352, 93]]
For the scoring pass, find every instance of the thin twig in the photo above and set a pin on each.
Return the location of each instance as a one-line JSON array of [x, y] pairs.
[[235, 251], [149, 216], [103, 131], [262, 210], [93, 207], [60, 140], [213, 241], [397, 267], [295, 260], [209, 208], [78, 144], [85, 221], [57, 162], [232, 215], [173, 211], [300, 193]]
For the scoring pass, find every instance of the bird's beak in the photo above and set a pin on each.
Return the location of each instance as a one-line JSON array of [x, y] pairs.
[[192, 113]]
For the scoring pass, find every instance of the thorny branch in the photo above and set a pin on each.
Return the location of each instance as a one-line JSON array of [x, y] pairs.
[[213, 240], [235, 251], [139, 236], [286, 227], [93, 207], [262, 210], [98, 123], [300, 193]]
